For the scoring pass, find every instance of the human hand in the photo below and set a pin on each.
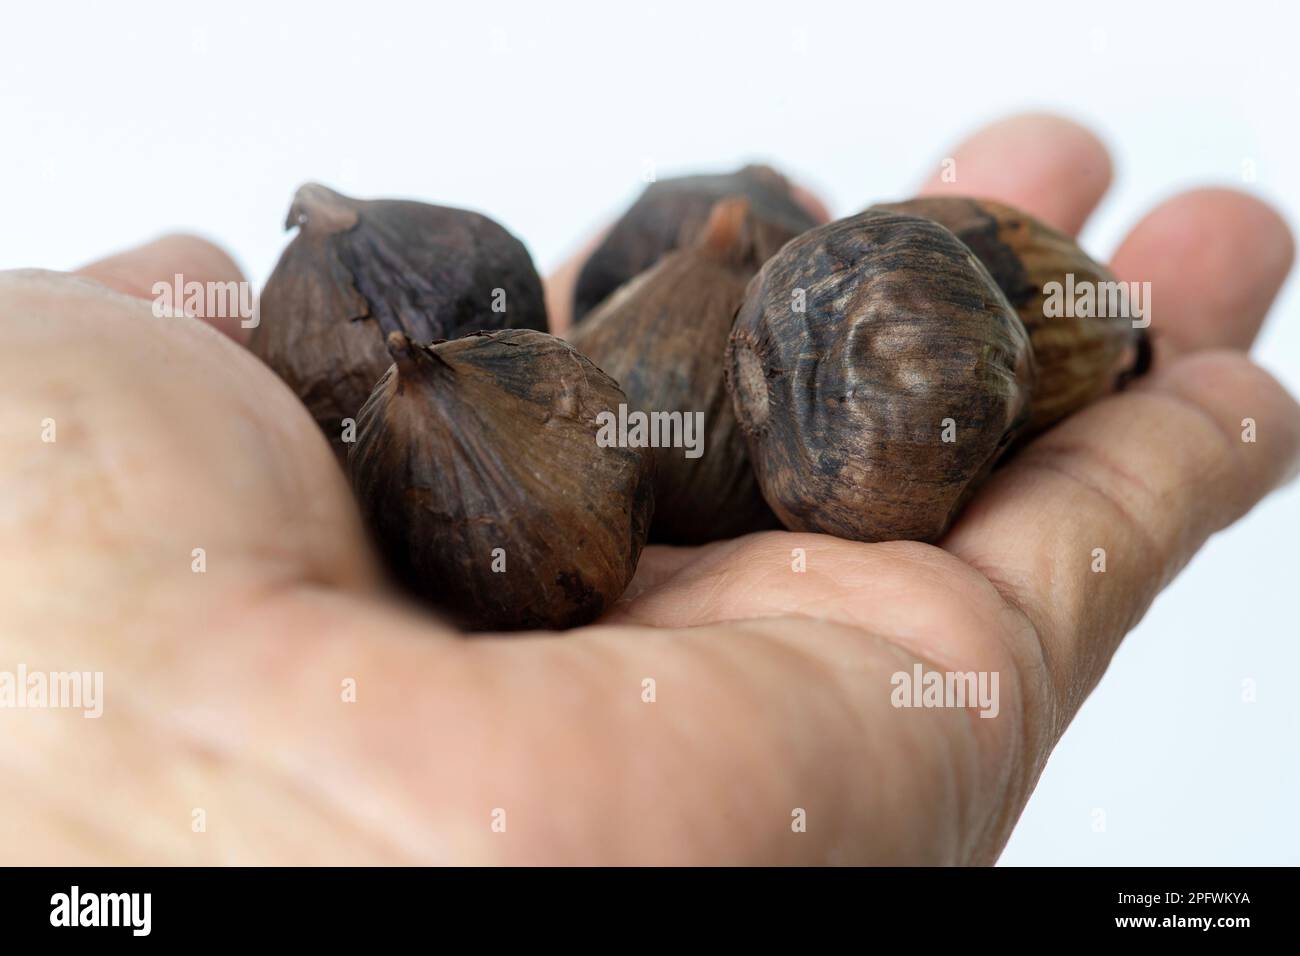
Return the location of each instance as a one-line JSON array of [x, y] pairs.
[[224, 691]]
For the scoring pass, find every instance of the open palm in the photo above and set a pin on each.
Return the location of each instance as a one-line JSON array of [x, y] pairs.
[[730, 709]]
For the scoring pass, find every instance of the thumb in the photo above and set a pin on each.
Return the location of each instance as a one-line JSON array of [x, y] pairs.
[[220, 298]]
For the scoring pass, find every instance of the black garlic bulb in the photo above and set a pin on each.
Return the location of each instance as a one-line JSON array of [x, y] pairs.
[[669, 213], [1081, 353], [878, 373], [480, 475], [360, 270], [663, 336]]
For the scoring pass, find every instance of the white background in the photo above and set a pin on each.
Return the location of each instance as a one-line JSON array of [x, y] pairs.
[[121, 121]]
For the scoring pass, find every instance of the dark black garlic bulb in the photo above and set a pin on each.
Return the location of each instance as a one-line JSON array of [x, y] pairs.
[[878, 373], [480, 475], [359, 270], [663, 336], [1083, 352], [669, 213]]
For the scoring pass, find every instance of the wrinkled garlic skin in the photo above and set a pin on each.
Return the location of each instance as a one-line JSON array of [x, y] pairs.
[[663, 337], [860, 348], [1079, 359], [669, 214], [478, 472], [358, 270]]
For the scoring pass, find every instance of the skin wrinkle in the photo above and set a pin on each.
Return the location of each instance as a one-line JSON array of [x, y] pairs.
[[1230, 440], [1024, 636], [910, 651], [973, 826], [300, 789], [710, 582], [613, 645], [1040, 707], [512, 738], [202, 746], [653, 573], [293, 776], [801, 660], [1225, 457], [1024, 647], [1030, 768], [1050, 667], [54, 802], [1055, 456], [1228, 467], [76, 826], [834, 675], [1152, 552]]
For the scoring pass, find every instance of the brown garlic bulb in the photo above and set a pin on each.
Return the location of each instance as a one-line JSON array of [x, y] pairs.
[[663, 336], [669, 213], [360, 270], [478, 471], [877, 373], [1079, 357]]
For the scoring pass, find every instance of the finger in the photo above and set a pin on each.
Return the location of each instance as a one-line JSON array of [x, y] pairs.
[[1084, 527], [1049, 166], [561, 283], [1215, 259], [182, 259]]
